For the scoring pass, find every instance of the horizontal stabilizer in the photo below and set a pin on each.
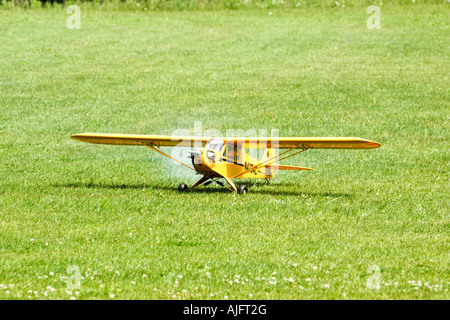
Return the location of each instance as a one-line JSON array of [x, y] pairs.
[[288, 168]]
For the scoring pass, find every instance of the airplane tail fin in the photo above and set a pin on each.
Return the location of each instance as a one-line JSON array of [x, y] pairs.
[[269, 169]]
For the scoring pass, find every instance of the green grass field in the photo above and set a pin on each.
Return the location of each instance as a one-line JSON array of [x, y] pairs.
[[115, 212]]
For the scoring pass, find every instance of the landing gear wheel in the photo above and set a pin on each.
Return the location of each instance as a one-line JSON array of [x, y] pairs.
[[242, 189], [182, 187]]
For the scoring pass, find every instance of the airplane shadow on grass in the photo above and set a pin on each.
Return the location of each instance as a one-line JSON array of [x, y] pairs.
[[260, 188]]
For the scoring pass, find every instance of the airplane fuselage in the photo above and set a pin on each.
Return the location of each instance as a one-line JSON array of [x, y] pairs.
[[228, 162]]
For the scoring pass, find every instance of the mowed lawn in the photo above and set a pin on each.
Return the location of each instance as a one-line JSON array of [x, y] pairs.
[[114, 212]]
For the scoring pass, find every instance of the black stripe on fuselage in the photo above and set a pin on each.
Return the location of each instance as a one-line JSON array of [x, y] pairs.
[[232, 161]]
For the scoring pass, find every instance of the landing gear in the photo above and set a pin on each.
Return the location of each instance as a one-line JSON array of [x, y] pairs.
[[205, 181], [242, 189]]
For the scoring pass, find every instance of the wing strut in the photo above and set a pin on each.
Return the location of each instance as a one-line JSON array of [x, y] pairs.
[[269, 161], [166, 155]]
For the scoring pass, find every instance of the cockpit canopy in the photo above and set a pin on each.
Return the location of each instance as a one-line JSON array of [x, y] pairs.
[[215, 144], [213, 147]]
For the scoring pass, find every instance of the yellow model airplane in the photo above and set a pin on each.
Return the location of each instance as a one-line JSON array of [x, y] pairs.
[[226, 158]]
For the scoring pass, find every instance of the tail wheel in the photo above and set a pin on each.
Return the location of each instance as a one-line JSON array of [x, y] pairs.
[[182, 187], [242, 189]]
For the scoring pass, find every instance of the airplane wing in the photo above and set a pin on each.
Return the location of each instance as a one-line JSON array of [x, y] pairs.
[[133, 139], [247, 142], [305, 143]]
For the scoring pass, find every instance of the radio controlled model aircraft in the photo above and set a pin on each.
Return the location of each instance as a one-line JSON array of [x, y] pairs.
[[215, 158]]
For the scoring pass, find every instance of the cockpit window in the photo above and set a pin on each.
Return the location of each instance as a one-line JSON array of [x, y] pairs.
[[215, 144]]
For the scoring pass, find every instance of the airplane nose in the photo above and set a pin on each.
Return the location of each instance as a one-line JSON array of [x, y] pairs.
[[195, 153], [196, 156]]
